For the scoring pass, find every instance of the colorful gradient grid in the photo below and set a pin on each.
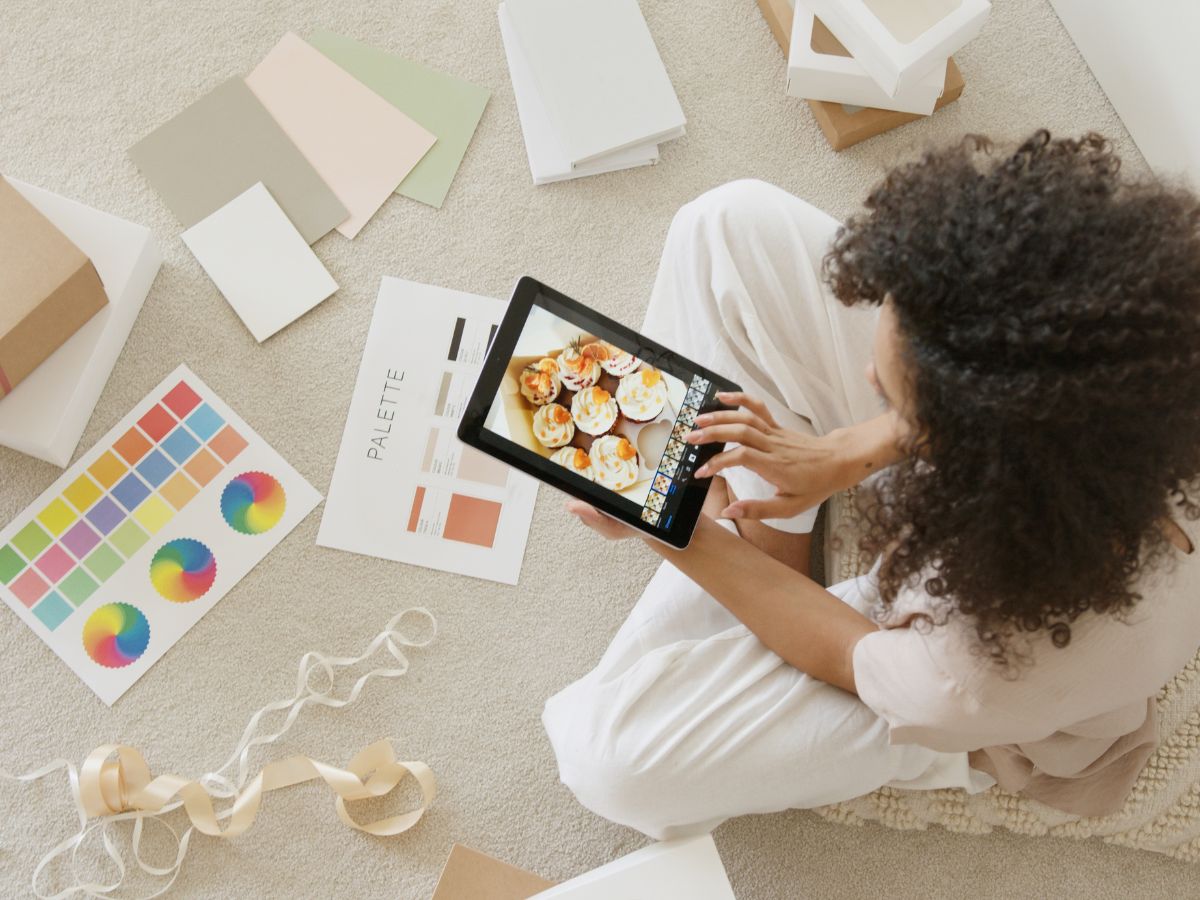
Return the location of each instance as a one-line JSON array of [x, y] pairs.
[[116, 634], [183, 570], [253, 503], [128, 491]]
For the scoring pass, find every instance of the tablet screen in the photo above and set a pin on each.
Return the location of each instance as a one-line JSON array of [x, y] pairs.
[[603, 407]]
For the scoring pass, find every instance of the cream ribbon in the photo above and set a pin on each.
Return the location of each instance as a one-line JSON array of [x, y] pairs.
[[109, 790]]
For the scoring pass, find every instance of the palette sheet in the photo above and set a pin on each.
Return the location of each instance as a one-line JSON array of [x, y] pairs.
[[404, 487], [125, 552]]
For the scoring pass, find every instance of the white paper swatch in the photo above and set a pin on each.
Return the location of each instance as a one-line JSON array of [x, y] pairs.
[[259, 261]]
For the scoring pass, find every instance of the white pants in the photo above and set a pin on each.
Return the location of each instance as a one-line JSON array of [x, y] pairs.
[[688, 719]]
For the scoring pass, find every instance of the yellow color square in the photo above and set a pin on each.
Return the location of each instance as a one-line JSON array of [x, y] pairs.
[[57, 517], [107, 469], [154, 513], [82, 493], [179, 490]]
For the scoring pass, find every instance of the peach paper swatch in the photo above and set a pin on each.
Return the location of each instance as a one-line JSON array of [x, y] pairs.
[[360, 144]]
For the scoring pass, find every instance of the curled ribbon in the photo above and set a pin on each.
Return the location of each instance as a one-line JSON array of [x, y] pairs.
[[115, 783]]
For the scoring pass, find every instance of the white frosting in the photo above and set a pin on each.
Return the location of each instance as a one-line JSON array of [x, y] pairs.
[[569, 457], [540, 383], [552, 425], [577, 370], [594, 410], [619, 362], [611, 470], [642, 395]]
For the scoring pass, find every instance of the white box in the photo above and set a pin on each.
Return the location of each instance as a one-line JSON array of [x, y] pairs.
[[899, 41], [820, 68]]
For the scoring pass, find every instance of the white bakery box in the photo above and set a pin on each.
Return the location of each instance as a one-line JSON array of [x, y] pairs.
[[821, 68], [899, 41]]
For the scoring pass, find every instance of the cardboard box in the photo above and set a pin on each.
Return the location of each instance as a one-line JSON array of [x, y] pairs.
[[820, 68], [844, 127], [471, 875], [48, 288], [899, 41]]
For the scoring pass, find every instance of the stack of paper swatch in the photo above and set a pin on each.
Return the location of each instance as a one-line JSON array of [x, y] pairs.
[[592, 93], [318, 136]]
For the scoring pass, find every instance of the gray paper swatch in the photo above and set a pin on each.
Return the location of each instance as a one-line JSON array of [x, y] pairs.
[[222, 145]]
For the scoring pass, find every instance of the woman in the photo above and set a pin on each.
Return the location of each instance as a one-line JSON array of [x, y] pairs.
[[1030, 324]]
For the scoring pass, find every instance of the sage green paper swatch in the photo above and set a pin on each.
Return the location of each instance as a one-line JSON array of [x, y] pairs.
[[448, 107]]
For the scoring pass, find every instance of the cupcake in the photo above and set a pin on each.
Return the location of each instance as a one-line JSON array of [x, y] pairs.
[[618, 362], [615, 462], [594, 410], [642, 395], [577, 369], [576, 460], [540, 382], [552, 425]]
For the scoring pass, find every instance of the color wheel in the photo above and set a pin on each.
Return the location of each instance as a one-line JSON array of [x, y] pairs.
[[183, 570], [253, 503], [116, 635]]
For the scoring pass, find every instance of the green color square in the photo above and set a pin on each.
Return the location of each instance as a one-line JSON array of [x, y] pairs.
[[77, 586], [11, 564], [128, 538], [31, 540], [104, 562]]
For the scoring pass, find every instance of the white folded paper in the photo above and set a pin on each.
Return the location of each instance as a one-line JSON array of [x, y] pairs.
[[689, 867], [46, 413]]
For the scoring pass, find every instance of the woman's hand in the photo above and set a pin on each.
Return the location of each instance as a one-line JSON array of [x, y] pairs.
[[804, 469], [606, 526]]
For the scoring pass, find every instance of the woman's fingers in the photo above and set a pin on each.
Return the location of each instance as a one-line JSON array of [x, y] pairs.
[[739, 456], [777, 507], [730, 434], [756, 406], [731, 417]]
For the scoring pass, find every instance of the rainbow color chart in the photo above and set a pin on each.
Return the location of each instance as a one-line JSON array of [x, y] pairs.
[[126, 551]]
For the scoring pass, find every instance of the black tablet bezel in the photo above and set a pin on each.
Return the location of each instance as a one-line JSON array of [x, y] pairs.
[[471, 430]]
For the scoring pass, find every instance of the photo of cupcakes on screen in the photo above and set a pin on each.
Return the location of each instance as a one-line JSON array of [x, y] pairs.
[[614, 462], [594, 410], [577, 365], [576, 459], [642, 395], [540, 382], [618, 362], [553, 425]]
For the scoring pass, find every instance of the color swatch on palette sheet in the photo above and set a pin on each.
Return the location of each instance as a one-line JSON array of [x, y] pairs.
[[129, 548], [361, 145], [448, 107], [222, 145], [259, 262]]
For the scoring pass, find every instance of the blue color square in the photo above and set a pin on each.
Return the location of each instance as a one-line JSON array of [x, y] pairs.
[[155, 468], [53, 610], [130, 492], [105, 515], [205, 422], [180, 445]]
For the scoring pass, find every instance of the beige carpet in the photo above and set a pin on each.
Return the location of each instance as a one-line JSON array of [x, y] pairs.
[[81, 81]]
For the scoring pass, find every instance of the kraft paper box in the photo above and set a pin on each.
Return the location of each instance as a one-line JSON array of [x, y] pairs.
[[899, 41], [845, 126], [48, 288], [842, 126], [820, 68], [471, 875]]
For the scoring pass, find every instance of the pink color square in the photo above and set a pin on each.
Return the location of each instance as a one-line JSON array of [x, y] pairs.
[[157, 423], [29, 588], [181, 399], [80, 539], [55, 563]]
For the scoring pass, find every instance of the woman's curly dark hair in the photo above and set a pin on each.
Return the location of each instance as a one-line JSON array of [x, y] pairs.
[[1051, 315]]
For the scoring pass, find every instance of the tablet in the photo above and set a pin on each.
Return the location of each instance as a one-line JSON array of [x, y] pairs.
[[595, 409]]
